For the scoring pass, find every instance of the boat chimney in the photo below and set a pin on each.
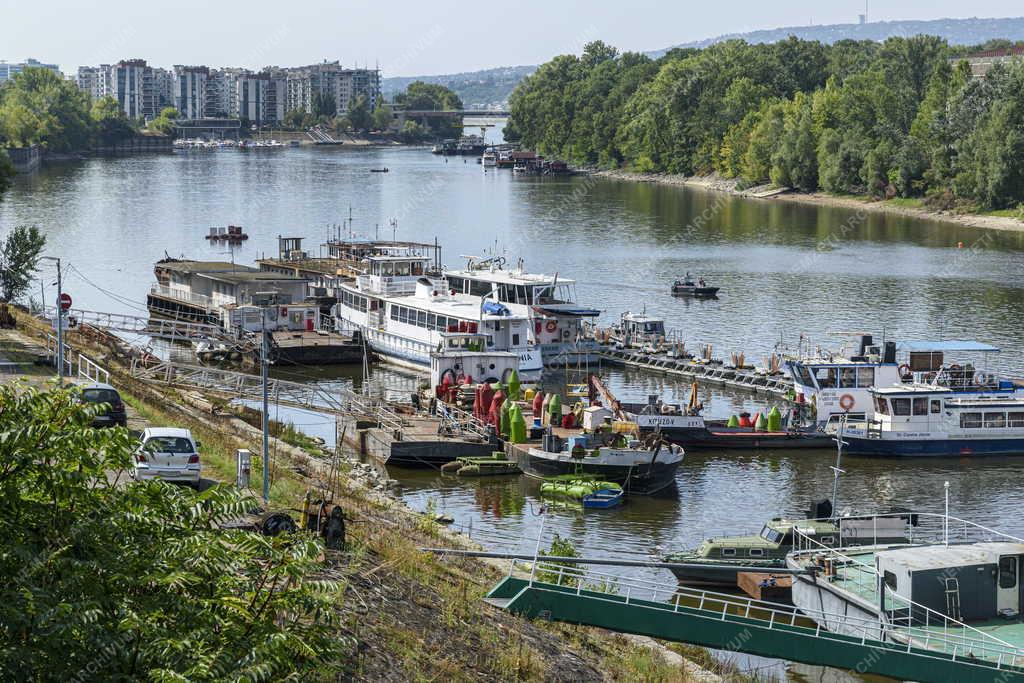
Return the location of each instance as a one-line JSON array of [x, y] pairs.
[[866, 340], [890, 352]]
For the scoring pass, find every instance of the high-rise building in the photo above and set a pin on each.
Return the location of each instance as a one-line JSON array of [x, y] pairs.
[[330, 82], [94, 80], [163, 85], [221, 91], [190, 91], [10, 70], [128, 80]]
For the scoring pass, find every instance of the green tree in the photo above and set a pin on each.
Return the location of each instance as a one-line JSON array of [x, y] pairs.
[[164, 123], [323, 105], [19, 257], [111, 123], [38, 106], [111, 580], [359, 113], [382, 118], [413, 132], [6, 172]]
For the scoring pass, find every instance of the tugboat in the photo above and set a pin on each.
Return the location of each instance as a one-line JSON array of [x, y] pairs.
[[639, 468], [698, 289]]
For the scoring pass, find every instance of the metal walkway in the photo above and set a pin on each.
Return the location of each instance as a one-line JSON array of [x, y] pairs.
[[172, 330], [728, 622]]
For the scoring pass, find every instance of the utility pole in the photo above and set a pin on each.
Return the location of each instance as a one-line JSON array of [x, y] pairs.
[[265, 300], [60, 322]]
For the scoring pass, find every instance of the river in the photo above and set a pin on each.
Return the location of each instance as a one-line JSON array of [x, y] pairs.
[[784, 269]]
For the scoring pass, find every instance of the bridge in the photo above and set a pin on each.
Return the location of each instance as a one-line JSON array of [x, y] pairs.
[[452, 113], [170, 329], [559, 592]]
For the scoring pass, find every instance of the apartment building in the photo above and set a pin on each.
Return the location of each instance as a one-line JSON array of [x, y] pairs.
[[9, 70], [189, 89]]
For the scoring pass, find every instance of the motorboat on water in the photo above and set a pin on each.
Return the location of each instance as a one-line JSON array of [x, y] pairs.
[[932, 421], [639, 468], [698, 289], [489, 159], [638, 330]]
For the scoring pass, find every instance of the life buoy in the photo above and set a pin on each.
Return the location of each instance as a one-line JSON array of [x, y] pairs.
[[846, 401], [904, 370], [551, 326]]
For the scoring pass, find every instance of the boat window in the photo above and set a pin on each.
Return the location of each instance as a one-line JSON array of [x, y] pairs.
[[996, 420], [756, 552], [901, 406], [432, 321], [936, 407], [728, 552], [970, 420], [890, 580], [828, 540], [920, 405], [479, 288], [421, 318], [805, 376], [417, 268], [515, 340], [402, 268], [386, 268], [1008, 572], [847, 378], [1015, 419], [865, 377], [881, 406], [826, 378], [772, 535]]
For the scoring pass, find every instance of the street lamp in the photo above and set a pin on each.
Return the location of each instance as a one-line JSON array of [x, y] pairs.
[[265, 300], [60, 323]]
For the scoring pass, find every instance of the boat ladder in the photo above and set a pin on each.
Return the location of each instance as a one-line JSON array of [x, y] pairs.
[[953, 598]]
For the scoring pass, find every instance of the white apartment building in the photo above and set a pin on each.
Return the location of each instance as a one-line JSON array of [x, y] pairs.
[[189, 89]]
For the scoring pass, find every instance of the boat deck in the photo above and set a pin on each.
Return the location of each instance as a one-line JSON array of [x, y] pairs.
[[860, 581]]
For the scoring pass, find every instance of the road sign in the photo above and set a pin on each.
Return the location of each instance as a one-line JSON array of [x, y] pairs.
[[65, 301]]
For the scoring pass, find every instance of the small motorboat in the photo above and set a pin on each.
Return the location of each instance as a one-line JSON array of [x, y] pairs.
[[687, 287], [603, 499], [379, 170]]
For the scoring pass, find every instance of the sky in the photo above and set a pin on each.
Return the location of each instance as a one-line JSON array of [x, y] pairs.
[[406, 37]]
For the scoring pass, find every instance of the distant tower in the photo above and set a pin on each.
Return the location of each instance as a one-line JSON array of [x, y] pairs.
[[864, 17]]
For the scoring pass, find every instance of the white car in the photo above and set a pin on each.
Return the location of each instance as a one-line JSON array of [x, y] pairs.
[[168, 453]]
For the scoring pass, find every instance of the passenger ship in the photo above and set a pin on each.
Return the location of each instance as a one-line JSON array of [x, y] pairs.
[[402, 312], [548, 301]]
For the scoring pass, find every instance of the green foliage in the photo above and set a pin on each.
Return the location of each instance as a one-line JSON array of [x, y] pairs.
[[19, 257], [382, 118], [432, 97], [323, 105], [111, 580], [884, 119], [296, 119], [111, 123], [6, 172], [164, 123], [413, 132], [359, 113], [38, 106], [560, 547]]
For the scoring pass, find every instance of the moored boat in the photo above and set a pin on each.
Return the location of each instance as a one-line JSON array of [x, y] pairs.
[[639, 469], [698, 289]]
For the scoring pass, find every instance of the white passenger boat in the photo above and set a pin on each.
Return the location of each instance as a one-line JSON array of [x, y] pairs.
[[402, 313], [548, 301]]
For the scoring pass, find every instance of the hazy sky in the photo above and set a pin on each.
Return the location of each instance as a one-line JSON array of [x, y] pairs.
[[407, 37]]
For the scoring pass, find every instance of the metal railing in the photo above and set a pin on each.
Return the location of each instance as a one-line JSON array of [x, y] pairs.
[[187, 297], [172, 329], [969, 644], [77, 364]]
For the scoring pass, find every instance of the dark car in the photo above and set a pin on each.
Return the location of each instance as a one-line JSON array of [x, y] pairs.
[[115, 415]]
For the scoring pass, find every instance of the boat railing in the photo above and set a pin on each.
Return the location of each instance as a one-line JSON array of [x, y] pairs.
[[182, 295], [954, 639]]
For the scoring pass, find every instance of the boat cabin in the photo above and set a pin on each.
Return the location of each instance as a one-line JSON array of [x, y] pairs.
[[637, 329], [217, 283], [927, 411], [463, 355], [393, 275], [291, 317], [968, 582]]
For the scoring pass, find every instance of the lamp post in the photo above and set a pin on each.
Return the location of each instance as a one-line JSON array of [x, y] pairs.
[[60, 323], [265, 300]]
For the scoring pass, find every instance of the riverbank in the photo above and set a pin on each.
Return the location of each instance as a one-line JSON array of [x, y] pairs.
[[900, 207], [409, 615]]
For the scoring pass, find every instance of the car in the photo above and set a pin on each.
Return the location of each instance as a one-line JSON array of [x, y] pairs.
[[115, 415], [169, 454]]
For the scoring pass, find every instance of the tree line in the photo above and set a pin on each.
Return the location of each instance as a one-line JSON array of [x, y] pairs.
[[899, 118]]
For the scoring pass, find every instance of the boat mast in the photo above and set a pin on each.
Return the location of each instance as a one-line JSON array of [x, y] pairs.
[[836, 469]]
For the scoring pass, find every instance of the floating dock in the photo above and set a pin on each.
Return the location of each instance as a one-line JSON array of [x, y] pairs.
[[705, 372]]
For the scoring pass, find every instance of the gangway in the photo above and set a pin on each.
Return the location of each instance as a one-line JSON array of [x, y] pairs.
[[738, 624], [231, 384], [170, 329]]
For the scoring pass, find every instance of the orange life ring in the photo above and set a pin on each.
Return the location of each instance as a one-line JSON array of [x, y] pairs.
[[846, 401], [551, 326], [904, 370]]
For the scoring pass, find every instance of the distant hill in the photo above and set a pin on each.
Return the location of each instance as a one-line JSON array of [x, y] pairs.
[[972, 31], [492, 87], [477, 89]]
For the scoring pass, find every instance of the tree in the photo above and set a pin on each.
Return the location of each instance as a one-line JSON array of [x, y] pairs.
[[359, 113], [6, 172], [110, 580], [111, 123], [164, 123], [19, 257], [382, 118], [323, 105], [293, 119], [412, 132], [38, 106]]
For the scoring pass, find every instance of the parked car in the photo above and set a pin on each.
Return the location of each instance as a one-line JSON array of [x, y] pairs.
[[168, 453], [115, 415]]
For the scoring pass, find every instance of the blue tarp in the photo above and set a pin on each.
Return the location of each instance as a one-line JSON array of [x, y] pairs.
[[945, 346]]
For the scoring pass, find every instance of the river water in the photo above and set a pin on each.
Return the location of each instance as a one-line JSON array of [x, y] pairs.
[[785, 269]]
